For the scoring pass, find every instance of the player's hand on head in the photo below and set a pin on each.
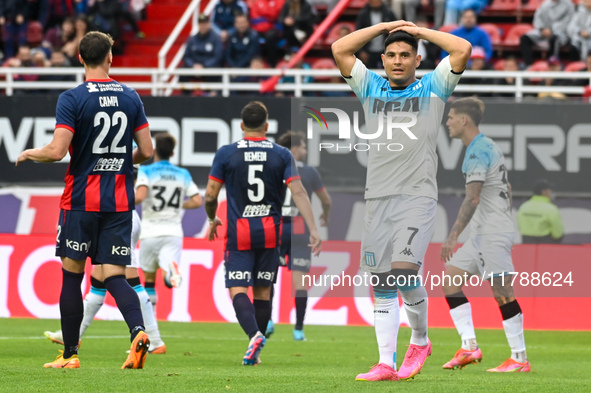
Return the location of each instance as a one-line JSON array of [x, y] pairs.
[[447, 249], [411, 29], [213, 229], [396, 25], [315, 243]]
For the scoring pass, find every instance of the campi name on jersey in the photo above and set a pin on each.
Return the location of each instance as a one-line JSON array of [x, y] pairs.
[[256, 211], [105, 101], [109, 164]]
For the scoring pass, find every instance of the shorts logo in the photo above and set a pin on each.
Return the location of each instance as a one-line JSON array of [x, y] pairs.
[[77, 246], [239, 276], [407, 252], [121, 250], [370, 259], [265, 276], [301, 262]]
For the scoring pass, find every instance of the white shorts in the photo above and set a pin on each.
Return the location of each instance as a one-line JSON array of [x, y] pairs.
[[396, 229], [485, 255], [159, 252], [136, 229]]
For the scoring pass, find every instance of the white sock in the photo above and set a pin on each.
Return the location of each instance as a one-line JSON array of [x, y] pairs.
[[416, 304], [150, 322], [92, 304], [514, 332], [386, 323], [462, 317]]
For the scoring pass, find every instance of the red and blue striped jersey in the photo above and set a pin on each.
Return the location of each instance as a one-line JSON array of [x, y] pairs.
[[102, 115], [254, 171]]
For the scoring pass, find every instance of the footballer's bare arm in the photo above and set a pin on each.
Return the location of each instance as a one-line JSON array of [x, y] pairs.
[[53, 151], [465, 214], [211, 206]]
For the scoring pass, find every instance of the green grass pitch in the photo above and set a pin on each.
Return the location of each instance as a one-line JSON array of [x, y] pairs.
[[206, 357]]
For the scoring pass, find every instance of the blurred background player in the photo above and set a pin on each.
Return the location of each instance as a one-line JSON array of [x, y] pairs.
[[254, 170], [294, 234], [96, 297], [401, 188], [96, 207], [161, 189], [538, 219], [487, 252]]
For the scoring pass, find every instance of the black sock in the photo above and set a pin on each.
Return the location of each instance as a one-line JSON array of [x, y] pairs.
[[245, 314], [301, 302], [71, 310], [262, 312], [127, 302]]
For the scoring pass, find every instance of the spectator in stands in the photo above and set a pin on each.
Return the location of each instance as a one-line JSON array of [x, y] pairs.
[[374, 12], [473, 34], [257, 63], [554, 65], [477, 63], [80, 7], [551, 20], [22, 58], [243, 43], [297, 17], [264, 19], [70, 49], [455, 8], [108, 15], [205, 49], [428, 51], [343, 31], [53, 12], [584, 82], [412, 6], [13, 24], [579, 29], [223, 15], [510, 64], [58, 36], [538, 219]]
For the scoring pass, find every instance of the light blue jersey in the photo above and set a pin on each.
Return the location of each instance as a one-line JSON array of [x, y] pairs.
[[162, 211], [406, 161], [484, 162]]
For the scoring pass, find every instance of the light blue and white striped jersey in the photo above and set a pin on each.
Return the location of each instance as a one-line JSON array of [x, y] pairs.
[[162, 210], [412, 169], [485, 162]]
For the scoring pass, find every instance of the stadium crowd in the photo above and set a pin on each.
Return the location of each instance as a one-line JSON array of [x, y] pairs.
[[266, 33]]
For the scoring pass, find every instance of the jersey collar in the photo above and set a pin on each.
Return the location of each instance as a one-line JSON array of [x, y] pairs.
[[261, 138], [100, 80]]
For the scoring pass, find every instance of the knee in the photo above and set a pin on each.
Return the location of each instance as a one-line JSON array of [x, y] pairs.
[[406, 279]]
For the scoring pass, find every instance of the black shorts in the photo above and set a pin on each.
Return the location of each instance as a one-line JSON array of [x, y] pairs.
[[294, 246], [103, 237], [251, 267]]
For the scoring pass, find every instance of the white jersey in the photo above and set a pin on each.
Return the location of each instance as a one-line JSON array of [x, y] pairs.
[[162, 211], [485, 162], [403, 166]]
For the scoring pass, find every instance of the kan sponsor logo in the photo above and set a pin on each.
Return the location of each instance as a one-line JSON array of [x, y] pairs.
[[121, 250], [78, 246], [234, 275], [386, 123]]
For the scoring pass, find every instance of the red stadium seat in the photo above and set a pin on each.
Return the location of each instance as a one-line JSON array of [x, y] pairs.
[[532, 5], [448, 28], [493, 31], [504, 5], [539, 66], [323, 64], [515, 33], [333, 34], [34, 33], [576, 66], [499, 65]]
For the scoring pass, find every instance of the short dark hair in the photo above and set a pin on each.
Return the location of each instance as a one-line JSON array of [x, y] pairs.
[[541, 185], [165, 144], [291, 138], [401, 36], [94, 48], [470, 106], [254, 115]]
